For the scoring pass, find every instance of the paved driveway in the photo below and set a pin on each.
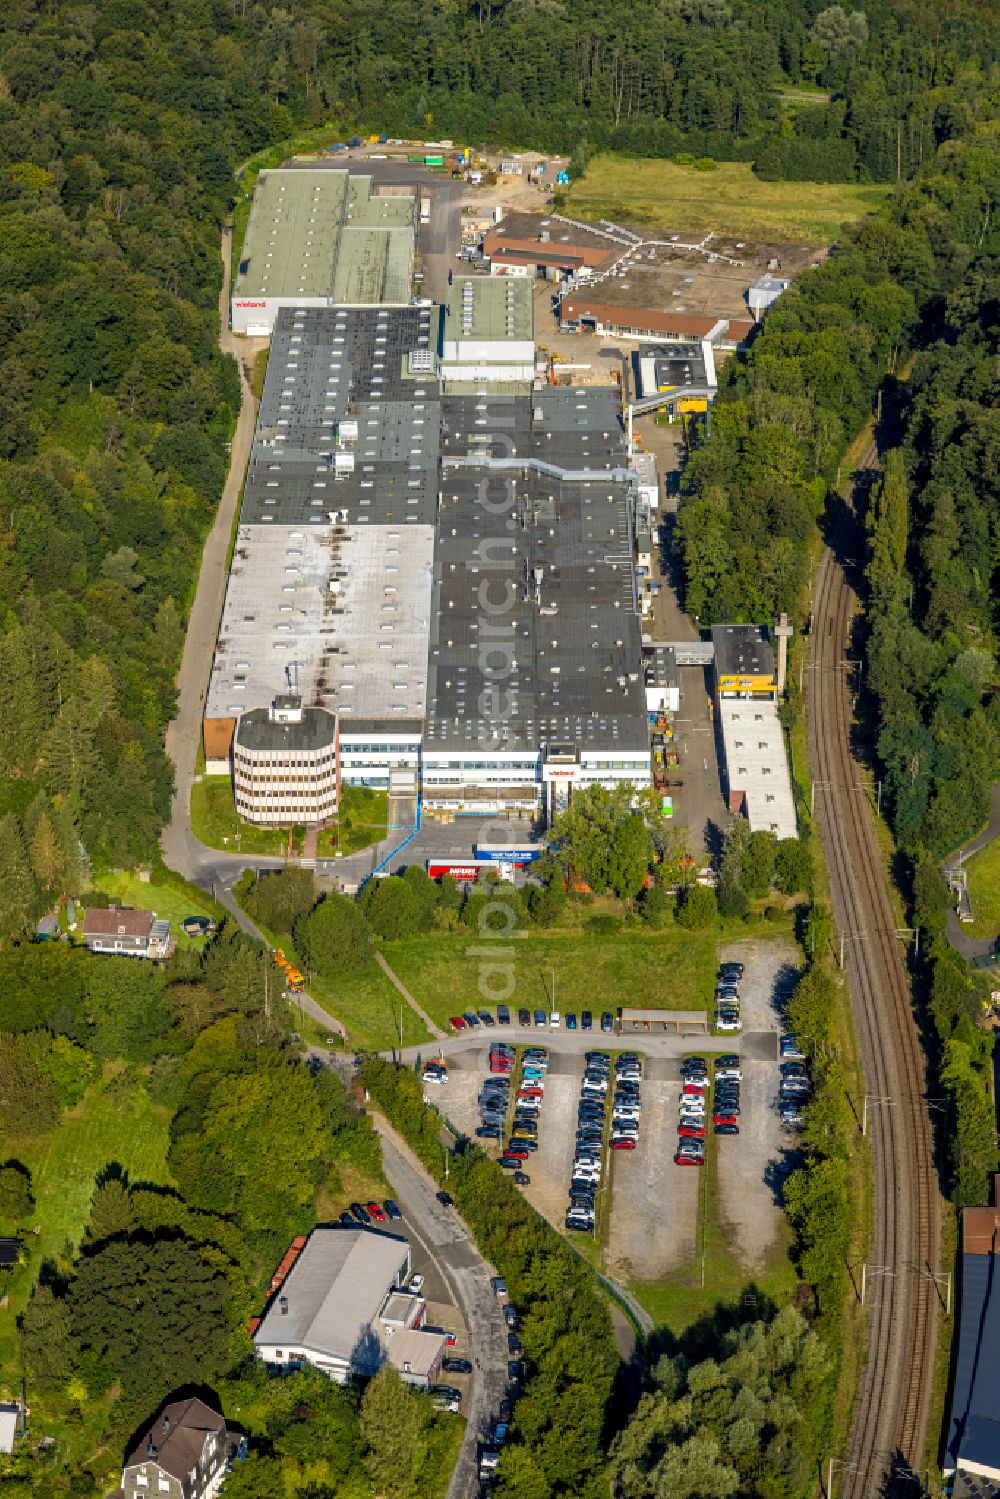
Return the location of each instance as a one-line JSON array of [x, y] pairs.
[[465, 1277]]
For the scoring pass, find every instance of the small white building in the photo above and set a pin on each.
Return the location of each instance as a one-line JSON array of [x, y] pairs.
[[764, 293], [488, 331]]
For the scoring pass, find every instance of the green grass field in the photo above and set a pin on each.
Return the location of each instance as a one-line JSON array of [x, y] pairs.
[[730, 200], [173, 905], [214, 821], [114, 1122], [673, 969], [984, 891]]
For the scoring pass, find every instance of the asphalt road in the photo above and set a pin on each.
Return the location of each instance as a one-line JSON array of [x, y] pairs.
[[452, 1249], [474, 1049]]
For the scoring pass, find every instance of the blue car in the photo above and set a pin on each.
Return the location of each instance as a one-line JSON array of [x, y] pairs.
[[571, 1021]]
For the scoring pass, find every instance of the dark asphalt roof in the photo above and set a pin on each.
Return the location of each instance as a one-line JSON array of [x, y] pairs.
[[742, 649], [256, 731], [974, 1421]]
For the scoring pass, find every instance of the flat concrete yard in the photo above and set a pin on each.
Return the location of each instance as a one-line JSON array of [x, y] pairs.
[[748, 1208], [654, 1217]]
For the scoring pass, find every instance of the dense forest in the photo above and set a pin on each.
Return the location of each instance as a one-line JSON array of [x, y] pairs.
[[933, 613]]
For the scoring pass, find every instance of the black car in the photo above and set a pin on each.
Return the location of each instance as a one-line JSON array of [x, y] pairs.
[[506, 1409], [514, 1371], [503, 1015], [446, 1199], [360, 1214], [587, 1020], [486, 1017], [731, 967], [607, 1021], [510, 1315], [348, 1220], [792, 1069], [524, 1017], [727, 1129], [522, 1179], [514, 1346], [489, 1132], [392, 1209], [456, 1366]]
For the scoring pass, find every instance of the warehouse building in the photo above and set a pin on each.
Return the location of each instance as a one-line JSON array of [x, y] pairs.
[[343, 1306], [487, 333], [321, 239], [526, 246], [758, 782], [972, 1454], [581, 313], [446, 571]]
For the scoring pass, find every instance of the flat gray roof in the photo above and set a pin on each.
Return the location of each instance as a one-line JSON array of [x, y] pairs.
[[324, 234], [490, 308], [334, 1291], [757, 764]]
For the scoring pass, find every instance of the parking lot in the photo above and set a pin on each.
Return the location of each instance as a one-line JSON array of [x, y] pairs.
[[652, 1227], [748, 1207], [654, 1204]]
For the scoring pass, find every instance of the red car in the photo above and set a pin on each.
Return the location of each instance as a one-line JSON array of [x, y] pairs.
[[526, 1092], [451, 1339], [376, 1212], [691, 1132], [457, 1023], [725, 1119], [688, 1160], [518, 1150], [623, 1144], [695, 1089]]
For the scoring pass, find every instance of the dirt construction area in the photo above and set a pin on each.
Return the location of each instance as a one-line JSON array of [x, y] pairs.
[[747, 1205]]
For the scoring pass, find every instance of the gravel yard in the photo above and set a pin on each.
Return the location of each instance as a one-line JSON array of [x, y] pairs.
[[549, 1166], [654, 1217], [748, 1210]]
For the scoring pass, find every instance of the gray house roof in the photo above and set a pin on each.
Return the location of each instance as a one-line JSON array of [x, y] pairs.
[[334, 1292]]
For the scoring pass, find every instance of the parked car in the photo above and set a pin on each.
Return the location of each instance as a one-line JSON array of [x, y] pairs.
[[503, 1015], [521, 1179], [376, 1212], [682, 1159], [729, 1127], [416, 1284], [489, 1132], [445, 1199], [524, 1017], [486, 1016], [499, 1287], [623, 1142], [570, 1021], [456, 1366], [541, 1018], [586, 1021], [471, 1019], [360, 1214], [607, 1021], [457, 1023], [347, 1219]]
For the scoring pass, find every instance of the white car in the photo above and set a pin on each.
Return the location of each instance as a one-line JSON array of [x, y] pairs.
[[728, 1075], [435, 1077], [728, 1023], [554, 1021], [416, 1283]]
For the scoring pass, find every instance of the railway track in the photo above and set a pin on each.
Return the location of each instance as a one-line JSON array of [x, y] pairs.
[[887, 1442]]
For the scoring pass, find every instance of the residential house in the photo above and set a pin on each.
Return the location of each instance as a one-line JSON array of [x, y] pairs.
[[126, 932], [184, 1453]]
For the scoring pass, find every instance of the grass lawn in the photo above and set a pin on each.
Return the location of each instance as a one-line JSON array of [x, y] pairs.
[[984, 890], [173, 905], [114, 1122], [214, 821], [674, 969], [730, 200], [361, 821]]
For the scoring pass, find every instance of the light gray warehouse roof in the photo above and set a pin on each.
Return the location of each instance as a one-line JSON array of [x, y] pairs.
[[334, 1291], [323, 234]]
